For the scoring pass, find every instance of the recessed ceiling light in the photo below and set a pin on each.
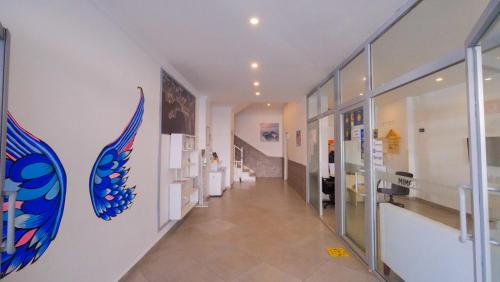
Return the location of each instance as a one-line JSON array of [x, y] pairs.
[[361, 94], [364, 78], [254, 21], [439, 79], [488, 78], [254, 65], [256, 83], [269, 105], [257, 93]]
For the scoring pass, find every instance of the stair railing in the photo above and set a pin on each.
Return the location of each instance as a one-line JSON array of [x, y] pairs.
[[238, 163]]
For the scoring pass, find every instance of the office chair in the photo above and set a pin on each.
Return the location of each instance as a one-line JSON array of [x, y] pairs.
[[396, 190], [328, 187]]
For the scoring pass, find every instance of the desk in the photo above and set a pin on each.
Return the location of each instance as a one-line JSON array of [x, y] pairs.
[[216, 182]]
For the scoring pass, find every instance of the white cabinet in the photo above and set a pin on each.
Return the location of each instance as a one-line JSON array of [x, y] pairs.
[[185, 160], [183, 197], [216, 182]]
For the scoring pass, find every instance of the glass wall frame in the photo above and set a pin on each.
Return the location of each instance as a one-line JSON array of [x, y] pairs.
[[428, 68]]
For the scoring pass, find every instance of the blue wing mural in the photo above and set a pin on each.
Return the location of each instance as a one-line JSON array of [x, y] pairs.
[[108, 178], [35, 172]]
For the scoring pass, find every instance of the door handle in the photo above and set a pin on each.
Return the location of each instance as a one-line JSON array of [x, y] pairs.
[[463, 213], [10, 248]]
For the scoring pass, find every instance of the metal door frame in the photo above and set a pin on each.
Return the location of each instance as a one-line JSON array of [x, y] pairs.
[[4, 75]]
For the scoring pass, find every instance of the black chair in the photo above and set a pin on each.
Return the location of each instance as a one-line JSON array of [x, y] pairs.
[[328, 187], [396, 190]]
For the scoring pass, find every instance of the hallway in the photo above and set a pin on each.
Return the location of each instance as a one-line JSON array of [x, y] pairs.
[[256, 232]]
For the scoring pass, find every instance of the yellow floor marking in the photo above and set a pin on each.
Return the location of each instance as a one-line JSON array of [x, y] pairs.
[[337, 252]]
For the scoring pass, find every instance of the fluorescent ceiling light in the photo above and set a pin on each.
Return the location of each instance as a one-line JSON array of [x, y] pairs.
[[256, 83], [254, 65], [257, 93]]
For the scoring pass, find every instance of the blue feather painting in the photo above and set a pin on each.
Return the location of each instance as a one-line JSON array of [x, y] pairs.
[[108, 177], [33, 170]]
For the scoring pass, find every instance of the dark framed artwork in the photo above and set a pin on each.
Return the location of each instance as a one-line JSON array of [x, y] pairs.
[[178, 107]]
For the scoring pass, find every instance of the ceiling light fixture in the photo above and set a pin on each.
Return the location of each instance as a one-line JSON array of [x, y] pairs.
[[257, 93], [361, 94], [364, 78], [439, 79], [256, 83], [488, 78], [254, 21], [269, 105], [254, 65]]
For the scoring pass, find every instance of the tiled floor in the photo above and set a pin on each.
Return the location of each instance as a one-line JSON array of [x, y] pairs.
[[255, 232]]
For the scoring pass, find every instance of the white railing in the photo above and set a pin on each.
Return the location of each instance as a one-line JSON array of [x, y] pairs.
[[238, 163]]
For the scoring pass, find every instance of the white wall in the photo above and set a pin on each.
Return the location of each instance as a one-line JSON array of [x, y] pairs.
[[441, 151], [203, 117], [294, 118], [73, 79], [247, 127], [222, 137]]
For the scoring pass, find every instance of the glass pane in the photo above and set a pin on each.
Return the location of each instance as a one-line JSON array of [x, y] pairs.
[[326, 96], [433, 28], [313, 163], [491, 86], [354, 177], [420, 157], [312, 105], [353, 78], [327, 171]]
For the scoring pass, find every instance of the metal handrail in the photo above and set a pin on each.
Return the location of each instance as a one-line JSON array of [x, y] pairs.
[[240, 162]]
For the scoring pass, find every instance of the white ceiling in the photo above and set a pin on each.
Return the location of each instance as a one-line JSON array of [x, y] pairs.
[[211, 44]]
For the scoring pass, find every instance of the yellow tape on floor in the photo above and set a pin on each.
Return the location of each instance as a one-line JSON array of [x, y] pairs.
[[337, 252]]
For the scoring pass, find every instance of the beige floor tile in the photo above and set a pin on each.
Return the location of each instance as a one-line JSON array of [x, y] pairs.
[[135, 275], [215, 227], [266, 273], [332, 271], [255, 232]]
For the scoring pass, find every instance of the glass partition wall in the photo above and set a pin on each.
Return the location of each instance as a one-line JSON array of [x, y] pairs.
[[416, 174], [320, 151]]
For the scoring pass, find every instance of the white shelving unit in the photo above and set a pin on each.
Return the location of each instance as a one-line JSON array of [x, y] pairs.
[[183, 195]]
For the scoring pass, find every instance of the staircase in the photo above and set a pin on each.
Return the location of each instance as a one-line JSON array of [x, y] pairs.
[[242, 173]]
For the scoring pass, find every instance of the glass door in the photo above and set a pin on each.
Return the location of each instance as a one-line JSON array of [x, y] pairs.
[[483, 57], [353, 175], [313, 196]]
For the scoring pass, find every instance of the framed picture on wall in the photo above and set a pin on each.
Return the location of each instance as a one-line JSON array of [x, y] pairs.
[[270, 132], [178, 107]]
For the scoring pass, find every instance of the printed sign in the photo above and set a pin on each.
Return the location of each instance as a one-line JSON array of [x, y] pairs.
[[400, 180], [393, 140]]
